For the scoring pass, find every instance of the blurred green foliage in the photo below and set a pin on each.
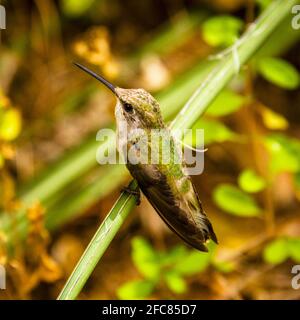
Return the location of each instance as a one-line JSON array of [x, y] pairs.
[[168, 268], [250, 181], [233, 200], [226, 102], [215, 131], [279, 72], [284, 152], [75, 8], [222, 30], [282, 248]]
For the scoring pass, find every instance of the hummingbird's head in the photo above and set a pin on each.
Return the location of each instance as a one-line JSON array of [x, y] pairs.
[[137, 105]]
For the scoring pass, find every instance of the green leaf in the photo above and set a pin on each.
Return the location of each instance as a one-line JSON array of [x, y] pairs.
[[193, 263], [250, 181], [277, 251], [279, 72], [175, 282], [75, 8], [235, 201], [221, 30], [294, 249], [214, 131], [225, 103], [285, 153], [135, 290], [145, 258]]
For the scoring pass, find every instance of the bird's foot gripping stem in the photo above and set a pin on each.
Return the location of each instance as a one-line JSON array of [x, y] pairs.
[[136, 193]]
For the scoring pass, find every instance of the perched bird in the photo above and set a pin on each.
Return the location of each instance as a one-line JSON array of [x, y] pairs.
[[167, 186]]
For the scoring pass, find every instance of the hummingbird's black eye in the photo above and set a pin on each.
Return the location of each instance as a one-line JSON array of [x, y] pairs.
[[128, 107]]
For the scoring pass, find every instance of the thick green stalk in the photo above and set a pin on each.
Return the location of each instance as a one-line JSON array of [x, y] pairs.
[[253, 38], [99, 244]]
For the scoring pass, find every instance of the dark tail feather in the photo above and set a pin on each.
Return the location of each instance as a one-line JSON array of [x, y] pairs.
[[211, 234], [200, 246]]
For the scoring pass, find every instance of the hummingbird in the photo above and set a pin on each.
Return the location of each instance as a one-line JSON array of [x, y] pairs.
[[167, 186]]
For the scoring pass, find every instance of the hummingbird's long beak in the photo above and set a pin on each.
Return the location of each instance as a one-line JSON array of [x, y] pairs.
[[96, 76]]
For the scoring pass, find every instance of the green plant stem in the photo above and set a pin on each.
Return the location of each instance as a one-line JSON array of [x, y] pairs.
[[196, 106], [101, 240]]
